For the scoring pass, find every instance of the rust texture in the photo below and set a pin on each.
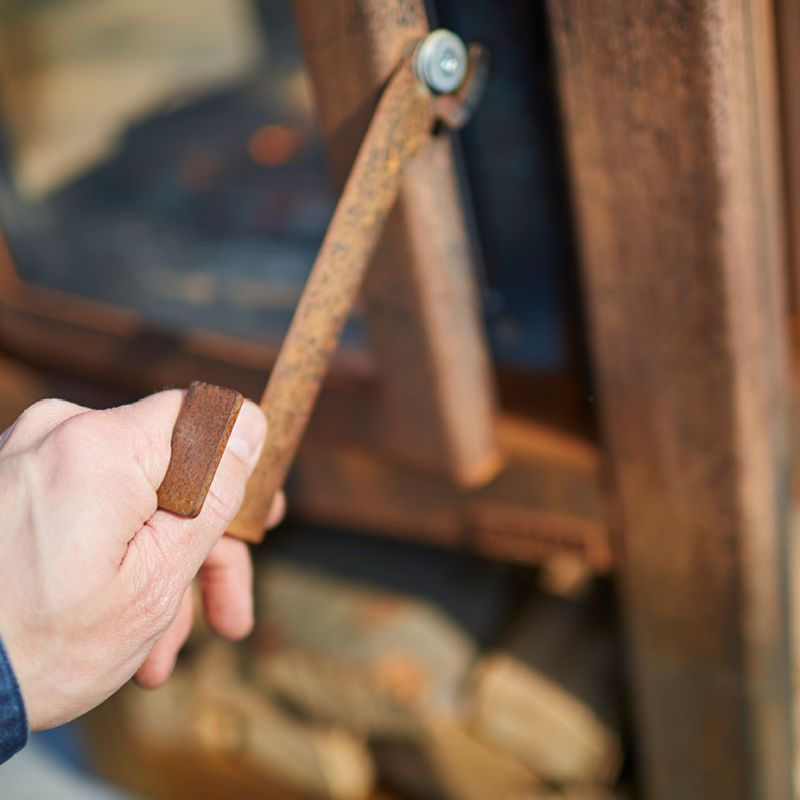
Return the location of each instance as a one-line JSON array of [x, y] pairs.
[[199, 437], [670, 124], [787, 29], [402, 124], [547, 500], [420, 301]]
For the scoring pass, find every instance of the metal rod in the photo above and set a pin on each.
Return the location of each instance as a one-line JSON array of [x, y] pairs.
[[402, 123]]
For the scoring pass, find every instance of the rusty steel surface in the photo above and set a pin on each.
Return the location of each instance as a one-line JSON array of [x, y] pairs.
[[201, 432], [402, 124], [670, 126], [117, 347], [787, 28], [546, 502], [438, 395], [100, 356]]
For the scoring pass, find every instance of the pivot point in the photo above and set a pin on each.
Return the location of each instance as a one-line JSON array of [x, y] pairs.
[[441, 61]]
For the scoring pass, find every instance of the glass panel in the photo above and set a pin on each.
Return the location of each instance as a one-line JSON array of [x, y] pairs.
[[162, 156]]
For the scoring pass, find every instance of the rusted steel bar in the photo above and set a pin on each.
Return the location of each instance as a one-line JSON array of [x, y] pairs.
[[420, 302], [671, 134], [401, 125], [93, 340], [787, 30]]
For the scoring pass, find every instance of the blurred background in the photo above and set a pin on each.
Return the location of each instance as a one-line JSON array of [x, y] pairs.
[[164, 189], [165, 157]]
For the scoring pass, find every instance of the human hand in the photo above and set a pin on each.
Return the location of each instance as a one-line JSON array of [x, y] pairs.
[[95, 582]]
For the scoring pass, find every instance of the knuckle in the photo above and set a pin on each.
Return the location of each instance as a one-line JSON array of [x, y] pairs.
[[87, 443], [71, 443], [36, 419], [46, 409], [64, 440]]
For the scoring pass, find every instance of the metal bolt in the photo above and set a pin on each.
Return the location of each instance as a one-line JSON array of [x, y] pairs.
[[441, 61]]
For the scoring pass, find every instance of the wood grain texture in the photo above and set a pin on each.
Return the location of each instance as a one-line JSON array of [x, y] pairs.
[[670, 123], [437, 393], [199, 437]]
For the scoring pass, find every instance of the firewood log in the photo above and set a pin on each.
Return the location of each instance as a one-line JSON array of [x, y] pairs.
[[364, 658], [447, 763], [206, 706], [476, 595], [548, 695], [326, 690]]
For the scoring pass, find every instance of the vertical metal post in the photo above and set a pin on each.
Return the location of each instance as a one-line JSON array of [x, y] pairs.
[[670, 121]]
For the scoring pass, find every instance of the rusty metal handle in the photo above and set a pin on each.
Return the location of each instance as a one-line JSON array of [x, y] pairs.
[[402, 124]]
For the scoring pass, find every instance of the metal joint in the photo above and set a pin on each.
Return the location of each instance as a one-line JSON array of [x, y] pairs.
[[441, 61]]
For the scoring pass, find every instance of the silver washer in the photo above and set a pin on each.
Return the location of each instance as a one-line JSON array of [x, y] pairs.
[[441, 61]]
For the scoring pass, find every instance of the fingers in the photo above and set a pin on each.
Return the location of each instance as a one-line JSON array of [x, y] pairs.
[[226, 581], [104, 466], [160, 662], [226, 586], [178, 545], [277, 511]]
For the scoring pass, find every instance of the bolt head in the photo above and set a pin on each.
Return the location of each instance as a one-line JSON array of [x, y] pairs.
[[441, 61]]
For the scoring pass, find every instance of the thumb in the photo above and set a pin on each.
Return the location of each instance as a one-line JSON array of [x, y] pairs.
[[144, 429], [180, 545]]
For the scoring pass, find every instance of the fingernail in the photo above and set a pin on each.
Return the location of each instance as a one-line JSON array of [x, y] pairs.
[[248, 433]]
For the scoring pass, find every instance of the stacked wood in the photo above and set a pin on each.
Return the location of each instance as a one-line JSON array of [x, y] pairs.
[[446, 762], [443, 719], [356, 655], [389, 666], [548, 695], [207, 707], [335, 693], [348, 686]]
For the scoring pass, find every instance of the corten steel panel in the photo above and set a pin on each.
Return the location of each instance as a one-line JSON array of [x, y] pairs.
[[421, 304], [670, 121], [787, 28]]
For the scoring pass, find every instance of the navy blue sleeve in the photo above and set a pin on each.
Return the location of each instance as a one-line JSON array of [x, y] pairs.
[[13, 721]]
